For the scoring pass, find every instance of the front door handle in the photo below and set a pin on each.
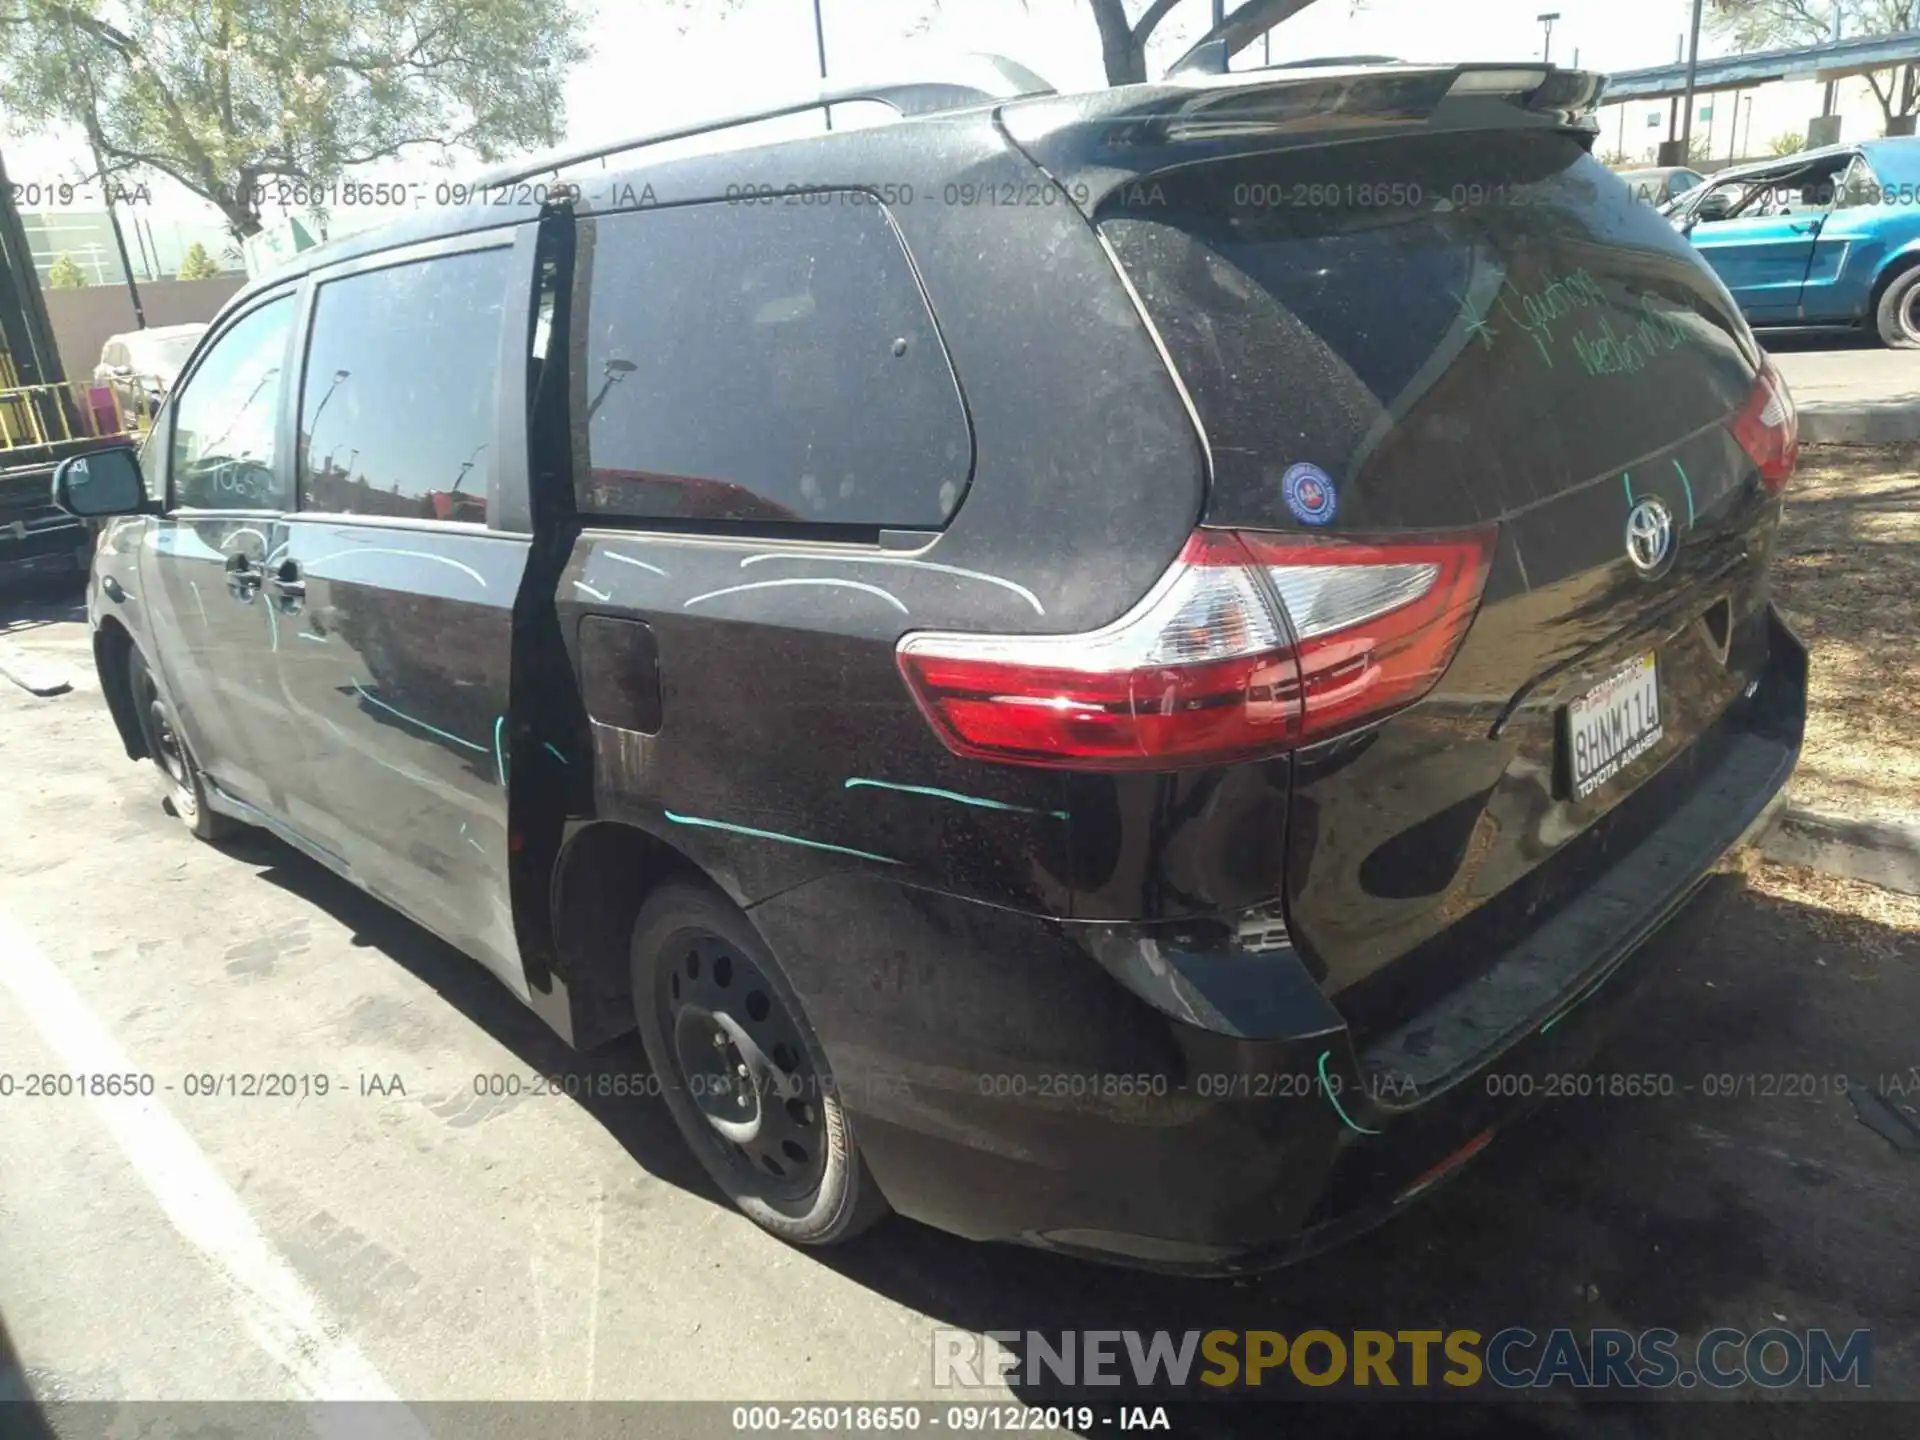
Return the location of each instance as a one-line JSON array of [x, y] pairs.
[[243, 576]]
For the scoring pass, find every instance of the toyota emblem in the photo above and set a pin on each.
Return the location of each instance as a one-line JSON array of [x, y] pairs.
[[1649, 536]]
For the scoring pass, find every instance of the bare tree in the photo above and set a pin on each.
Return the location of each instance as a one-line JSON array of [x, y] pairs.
[[1776, 24], [1125, 27]]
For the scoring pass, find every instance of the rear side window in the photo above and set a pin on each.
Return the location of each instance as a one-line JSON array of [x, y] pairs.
[[1448, 327], [397, 401], [769, 363]]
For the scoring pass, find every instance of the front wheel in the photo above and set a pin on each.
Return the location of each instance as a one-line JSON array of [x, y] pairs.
[[167, 747], [742, 1072], [1898, 316]]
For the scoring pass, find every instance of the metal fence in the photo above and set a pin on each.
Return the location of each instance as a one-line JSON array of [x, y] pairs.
[[69, 414]]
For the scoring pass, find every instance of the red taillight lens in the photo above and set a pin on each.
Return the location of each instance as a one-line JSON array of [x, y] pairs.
[[1768, 428], [1250, 645]]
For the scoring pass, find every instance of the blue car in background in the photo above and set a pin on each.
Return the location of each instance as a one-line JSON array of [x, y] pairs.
[[1825, 237]]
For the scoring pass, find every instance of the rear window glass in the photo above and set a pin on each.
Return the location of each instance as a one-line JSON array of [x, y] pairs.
[[1451, 327], [770, 363]]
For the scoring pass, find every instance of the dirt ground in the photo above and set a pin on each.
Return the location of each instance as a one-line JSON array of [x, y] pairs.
[[1848, 576]]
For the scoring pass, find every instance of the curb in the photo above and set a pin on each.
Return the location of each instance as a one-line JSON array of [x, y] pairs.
[[1874, 423], [1880, 852], [37, 677]]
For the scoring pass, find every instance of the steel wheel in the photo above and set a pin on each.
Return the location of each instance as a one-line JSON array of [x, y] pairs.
[[741, 1059], [741, 1070], [169, 751]]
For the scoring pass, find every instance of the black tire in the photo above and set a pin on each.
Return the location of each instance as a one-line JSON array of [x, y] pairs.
[[1897, 317], [710, 1000], [167, 748]]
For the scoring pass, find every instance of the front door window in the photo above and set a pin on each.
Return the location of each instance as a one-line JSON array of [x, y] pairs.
[[225, 418]]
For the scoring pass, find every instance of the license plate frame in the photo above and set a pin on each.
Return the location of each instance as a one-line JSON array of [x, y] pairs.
[[1611, 725]]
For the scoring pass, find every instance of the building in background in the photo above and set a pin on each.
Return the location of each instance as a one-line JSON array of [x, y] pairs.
[[1730, 126], [1743, 104], [156, 244]]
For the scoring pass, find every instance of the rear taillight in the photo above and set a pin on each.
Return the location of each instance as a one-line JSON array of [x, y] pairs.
[[1768, 428], [1249, 645]]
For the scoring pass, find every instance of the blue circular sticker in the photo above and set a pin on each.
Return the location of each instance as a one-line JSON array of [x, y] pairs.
[[1308, 491]]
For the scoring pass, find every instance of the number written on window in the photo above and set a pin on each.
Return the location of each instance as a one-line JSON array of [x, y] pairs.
[[224, 419]]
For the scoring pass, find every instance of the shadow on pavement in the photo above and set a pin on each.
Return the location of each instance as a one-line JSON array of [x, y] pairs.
[[35, 603], [646, 1131], [21, 1417], [1749, 1196]]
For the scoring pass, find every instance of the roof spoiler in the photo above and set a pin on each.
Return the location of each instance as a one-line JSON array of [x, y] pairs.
[[1253, 102]]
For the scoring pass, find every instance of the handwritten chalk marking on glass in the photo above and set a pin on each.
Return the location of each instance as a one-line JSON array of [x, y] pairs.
[[1477, 326]]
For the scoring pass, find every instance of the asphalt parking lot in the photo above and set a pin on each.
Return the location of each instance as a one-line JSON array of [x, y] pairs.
[[404, 1234]]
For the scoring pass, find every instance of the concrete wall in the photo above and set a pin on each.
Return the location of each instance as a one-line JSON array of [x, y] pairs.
[[83, 319]]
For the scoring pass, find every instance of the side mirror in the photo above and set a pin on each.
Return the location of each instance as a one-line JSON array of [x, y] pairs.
[[102, 483]]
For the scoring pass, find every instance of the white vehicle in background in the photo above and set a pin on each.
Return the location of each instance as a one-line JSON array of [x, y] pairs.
[[142, 365]]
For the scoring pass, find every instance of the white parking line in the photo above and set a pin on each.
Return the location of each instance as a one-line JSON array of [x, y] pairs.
[[272, 1302]]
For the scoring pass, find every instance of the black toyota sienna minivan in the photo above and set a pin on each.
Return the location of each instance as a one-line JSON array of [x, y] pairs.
[[1113, 671]]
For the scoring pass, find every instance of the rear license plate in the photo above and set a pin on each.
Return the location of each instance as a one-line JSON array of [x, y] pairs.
[[1613, 724]]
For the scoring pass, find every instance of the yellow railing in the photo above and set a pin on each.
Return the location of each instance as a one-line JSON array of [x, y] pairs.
[[37, 416]]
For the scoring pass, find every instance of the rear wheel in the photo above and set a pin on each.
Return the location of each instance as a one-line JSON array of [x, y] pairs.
[[1898, 314], [167, 747], [742, 1072]]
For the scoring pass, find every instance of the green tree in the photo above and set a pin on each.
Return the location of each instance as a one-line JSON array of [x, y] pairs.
[[196, 264], [63, 274], [1787, 142], [224, 95], [1776, 24]]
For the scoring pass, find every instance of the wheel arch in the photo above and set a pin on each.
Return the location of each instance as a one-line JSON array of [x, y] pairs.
[[1897, 264], [602, 876], [112, 645]]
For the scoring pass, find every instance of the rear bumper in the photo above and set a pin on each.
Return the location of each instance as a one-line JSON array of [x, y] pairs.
[[1208, 1110]]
